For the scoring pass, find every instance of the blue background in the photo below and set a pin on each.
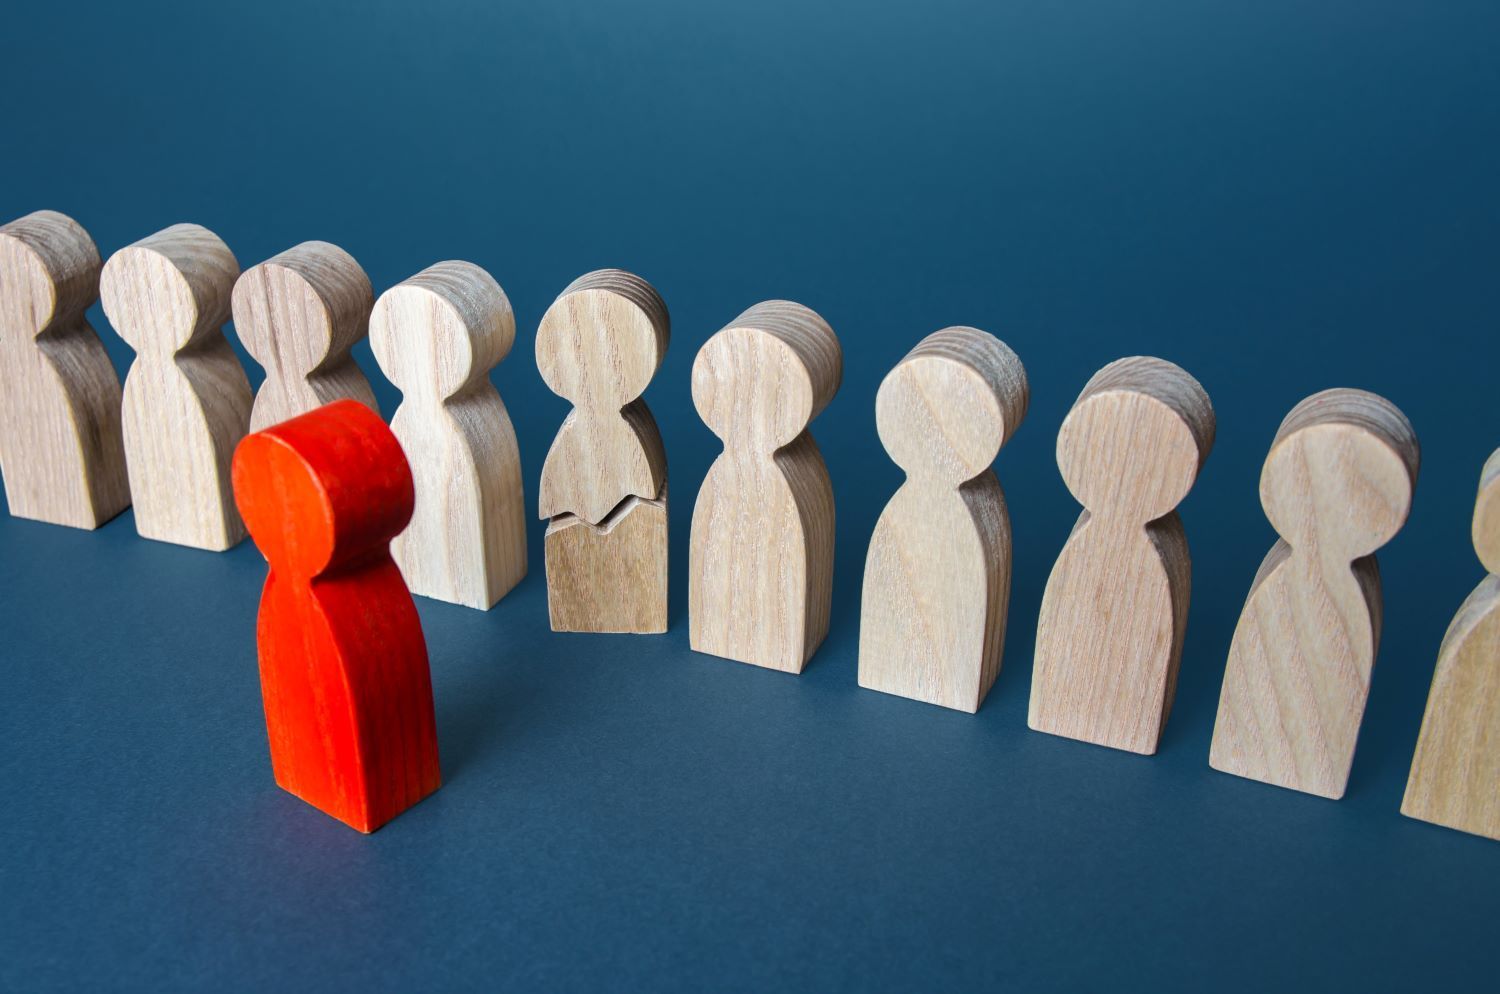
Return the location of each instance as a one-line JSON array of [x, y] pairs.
[[1281, 196]]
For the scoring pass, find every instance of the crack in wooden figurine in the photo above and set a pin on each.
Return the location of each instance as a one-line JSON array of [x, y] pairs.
[[1455, 774], [299, 314], [436, 336], [343, 664], [61, 447], [937, 575], [1337, 485], [761, 558], [187, 399], [604, 483], [1114, 612]]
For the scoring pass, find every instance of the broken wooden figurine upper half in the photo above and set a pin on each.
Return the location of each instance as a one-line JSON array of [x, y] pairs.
[[604, 483]]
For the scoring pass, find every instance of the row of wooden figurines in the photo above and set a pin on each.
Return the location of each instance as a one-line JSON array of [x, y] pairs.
[[1337, 485]]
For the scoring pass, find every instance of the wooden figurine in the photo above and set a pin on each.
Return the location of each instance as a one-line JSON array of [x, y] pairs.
[[761, 559], [1114, 613], [1455, 774], [604, 484], [937, 577], [187, 401], [299, 314], [436, 337], [343, 665], [1336, 486], [60, 442]]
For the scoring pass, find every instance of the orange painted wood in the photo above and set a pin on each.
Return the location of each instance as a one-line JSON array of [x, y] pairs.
[[343, 664]]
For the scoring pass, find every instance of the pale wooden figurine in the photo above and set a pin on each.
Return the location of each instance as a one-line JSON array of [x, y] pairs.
[[937, 576], [1336, 486], [604, 483], [1114, 613], [761, 559], [298, 314], [436, 336], [187, 400], [1455, 775], [61, 449]]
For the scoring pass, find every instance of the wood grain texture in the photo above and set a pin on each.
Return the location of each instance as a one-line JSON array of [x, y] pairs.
[[937, 575], [610, 577], [436, 336], [299, 314], [1114, 612], [1455, 774], [761, 559], [61, 446], [604, 482], [343, 664], [598, 346], [187, 400], [1336, 486]]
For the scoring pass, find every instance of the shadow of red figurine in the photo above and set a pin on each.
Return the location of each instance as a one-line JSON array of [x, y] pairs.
[[343, 664]]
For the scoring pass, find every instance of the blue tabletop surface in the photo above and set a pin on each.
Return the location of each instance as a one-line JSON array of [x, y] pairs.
[[1280, 196]]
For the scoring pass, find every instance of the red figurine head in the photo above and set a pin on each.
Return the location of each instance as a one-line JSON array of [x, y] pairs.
[[323, 489]]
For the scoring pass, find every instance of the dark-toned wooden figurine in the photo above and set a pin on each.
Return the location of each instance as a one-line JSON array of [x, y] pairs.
[[299, 314], [61, 448]]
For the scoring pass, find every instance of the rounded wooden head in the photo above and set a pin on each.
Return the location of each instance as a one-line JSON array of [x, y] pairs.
[[442, 329], [602, 340], [1136, 439], [946, 409], [1487, 514], [323, 488], [1340, 473], [169, 288], [49, 270], [298, 309], [761, 380]]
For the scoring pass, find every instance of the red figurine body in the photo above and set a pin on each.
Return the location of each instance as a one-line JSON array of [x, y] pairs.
[[343, 665]]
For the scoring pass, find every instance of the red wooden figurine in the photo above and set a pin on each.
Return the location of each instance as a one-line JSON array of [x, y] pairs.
[[343, 665]]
